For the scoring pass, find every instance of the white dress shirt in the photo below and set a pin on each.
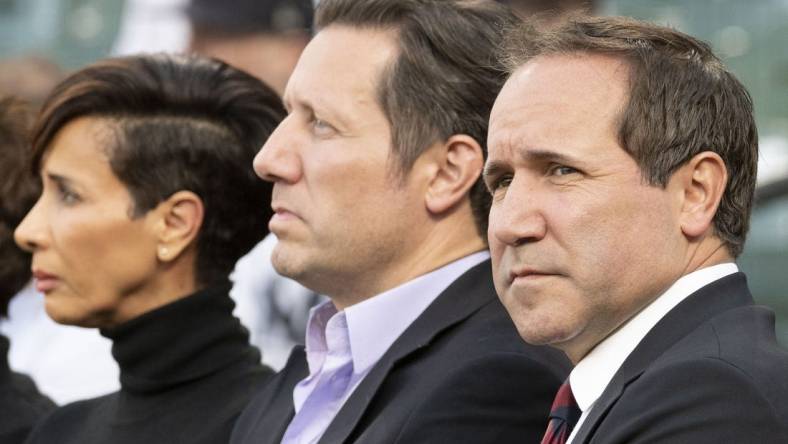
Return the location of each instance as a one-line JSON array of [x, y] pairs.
[[594, 372]]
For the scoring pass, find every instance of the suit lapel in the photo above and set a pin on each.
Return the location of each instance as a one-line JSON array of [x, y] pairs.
[[719, 296], [462, 298], [280, 410]]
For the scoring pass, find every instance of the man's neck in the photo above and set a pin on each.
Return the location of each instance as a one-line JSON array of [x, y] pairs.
[[418, 264]]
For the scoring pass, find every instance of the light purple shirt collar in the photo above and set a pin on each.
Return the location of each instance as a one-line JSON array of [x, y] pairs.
[[342, 347], [375, 323]]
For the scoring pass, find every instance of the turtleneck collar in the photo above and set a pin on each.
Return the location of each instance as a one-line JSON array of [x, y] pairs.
[[179, 342]]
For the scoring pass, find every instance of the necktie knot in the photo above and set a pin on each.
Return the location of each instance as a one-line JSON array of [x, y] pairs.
[[564, 415]]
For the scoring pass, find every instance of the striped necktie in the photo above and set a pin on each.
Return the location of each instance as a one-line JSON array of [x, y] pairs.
[[563, 416]]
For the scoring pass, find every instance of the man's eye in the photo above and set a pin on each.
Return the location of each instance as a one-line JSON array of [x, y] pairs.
[[499, 183], [321, 127], [562, 170]]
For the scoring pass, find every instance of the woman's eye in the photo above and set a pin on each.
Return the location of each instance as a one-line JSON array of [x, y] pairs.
[[67, 196]]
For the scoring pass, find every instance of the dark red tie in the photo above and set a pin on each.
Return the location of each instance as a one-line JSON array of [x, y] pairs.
[[563, 416]]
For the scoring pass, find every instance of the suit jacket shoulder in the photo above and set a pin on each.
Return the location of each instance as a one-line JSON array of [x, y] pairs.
[[460, 373], [711, 371]]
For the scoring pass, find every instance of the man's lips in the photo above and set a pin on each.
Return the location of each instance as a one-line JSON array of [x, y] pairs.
[[282, 211], [281, 218], [45, 282], [527, 274]]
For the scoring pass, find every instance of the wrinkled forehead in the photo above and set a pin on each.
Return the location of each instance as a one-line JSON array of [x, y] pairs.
[[560, 93]]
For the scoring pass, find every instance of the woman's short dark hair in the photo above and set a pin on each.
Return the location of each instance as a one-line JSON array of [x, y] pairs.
[[446, 77], [179, 123], [682, 101], [19, 190]]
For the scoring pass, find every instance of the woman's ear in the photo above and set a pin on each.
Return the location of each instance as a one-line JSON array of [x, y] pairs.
[[460, 162], [178, 221]]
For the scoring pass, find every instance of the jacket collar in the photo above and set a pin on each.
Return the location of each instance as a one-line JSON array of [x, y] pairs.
[[469, 293], [719, 296]]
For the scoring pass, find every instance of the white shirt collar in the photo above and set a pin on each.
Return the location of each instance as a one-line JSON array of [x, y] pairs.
[[593, 373], [375, 323]]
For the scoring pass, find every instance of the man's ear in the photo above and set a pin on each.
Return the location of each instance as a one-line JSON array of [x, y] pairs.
[[702, 181], [459, 162], [178, 221]]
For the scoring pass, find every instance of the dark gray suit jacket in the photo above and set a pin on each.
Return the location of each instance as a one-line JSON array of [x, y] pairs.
[[710, 371], [459, 374]]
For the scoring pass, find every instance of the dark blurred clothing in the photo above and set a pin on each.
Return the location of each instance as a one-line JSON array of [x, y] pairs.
[[21, 404]]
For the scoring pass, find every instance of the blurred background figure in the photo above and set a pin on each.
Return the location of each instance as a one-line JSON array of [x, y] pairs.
[[21, 403], [262, 37], [29, 78], [149, 198]]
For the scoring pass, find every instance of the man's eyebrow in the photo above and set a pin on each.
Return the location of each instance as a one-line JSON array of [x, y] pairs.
[[536, 156], [494, 168], [546, 156]]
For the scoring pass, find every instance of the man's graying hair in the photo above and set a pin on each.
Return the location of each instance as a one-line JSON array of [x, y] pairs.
[[682, 101], [446, 77]]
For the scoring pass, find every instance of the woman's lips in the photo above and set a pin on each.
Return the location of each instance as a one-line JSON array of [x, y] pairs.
[[45, 282]]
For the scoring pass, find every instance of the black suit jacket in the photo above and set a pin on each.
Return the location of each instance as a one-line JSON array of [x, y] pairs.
[[710, 371], [459, 374]]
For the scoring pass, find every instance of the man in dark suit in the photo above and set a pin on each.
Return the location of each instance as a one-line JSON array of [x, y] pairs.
[[380, 206], [622, 165]]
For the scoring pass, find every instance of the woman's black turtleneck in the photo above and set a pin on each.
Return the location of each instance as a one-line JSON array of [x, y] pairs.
[[186, 372], [21, 404]]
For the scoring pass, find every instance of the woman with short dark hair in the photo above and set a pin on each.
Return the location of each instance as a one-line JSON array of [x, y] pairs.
[[149, 198]]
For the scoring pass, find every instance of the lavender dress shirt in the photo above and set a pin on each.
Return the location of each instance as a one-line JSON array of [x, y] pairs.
[[342, 347]]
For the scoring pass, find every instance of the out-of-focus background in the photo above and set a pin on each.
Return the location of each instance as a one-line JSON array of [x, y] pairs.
[[42, 40]]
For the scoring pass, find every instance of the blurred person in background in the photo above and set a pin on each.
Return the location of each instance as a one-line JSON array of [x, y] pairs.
[[264, 38], [21, 403], [29, 78], [148, 200]]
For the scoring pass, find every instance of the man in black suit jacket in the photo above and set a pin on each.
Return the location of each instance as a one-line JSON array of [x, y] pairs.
[[622, 164], [380, 206]]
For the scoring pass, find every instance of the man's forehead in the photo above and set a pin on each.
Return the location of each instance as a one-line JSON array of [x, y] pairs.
[[339, 53], [568, 75], [341, 63], [560, 88]]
